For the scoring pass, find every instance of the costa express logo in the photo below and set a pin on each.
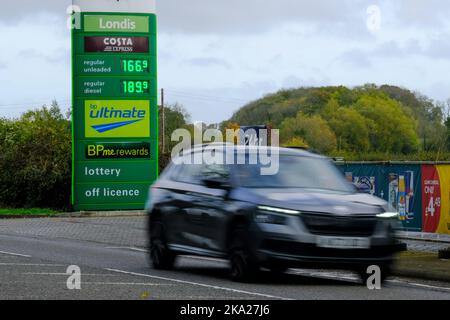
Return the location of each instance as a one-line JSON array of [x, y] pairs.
[[117, 119], [116, 44]]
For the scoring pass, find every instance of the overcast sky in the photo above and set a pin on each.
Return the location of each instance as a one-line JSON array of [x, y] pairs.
[[216, 55]]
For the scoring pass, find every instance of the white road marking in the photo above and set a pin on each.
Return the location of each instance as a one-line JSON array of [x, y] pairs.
[[181, 256], [65, 274], [128, 248], [15, 254], [323, 275], [126, 283], [419, 285], [200, 284], [326, 275], [32, 264]]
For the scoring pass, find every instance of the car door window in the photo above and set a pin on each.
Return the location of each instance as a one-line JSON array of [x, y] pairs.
[[189, 173], [196, 173]]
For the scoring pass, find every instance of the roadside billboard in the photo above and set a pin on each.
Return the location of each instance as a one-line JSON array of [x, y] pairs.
[[436, 198], [398, 184], [255, 135], [420, 192]]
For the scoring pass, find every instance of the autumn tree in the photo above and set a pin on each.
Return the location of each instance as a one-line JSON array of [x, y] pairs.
[[311, 129]]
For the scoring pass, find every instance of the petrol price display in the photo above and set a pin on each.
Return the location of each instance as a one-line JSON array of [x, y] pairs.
[[135, 65], [135, 86]]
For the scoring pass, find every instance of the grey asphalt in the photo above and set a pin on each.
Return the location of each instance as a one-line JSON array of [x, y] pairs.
[[111, 253]]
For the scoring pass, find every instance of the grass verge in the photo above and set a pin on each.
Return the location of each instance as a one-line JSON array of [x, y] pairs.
[[27, 212], [422, 265]]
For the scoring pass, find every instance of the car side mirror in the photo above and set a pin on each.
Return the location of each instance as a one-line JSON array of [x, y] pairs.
[[213, 183]]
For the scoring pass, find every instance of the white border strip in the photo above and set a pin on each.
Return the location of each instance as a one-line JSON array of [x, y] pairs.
[[119, 6]]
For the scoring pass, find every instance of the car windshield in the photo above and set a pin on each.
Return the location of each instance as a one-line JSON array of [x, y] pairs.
[[296, 172]]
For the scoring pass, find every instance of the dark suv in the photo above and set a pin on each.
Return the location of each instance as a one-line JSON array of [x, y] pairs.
[[305, 215]]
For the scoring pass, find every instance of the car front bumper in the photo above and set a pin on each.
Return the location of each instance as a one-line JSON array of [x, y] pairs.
[[310, 255], [294, 246]]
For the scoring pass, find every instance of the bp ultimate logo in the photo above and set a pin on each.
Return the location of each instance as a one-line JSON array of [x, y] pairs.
[[117, 119]]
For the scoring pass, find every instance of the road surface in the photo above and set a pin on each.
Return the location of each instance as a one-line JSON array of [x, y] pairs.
[[112, 256]]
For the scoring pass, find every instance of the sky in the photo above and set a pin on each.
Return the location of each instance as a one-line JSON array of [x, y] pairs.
[[214, 56]]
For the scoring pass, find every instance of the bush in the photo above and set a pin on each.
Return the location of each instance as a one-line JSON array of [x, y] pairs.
[[35, 160]]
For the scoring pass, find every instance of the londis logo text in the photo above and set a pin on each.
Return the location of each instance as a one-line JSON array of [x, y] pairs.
[[117, 119], [125, 24], [102, 23]]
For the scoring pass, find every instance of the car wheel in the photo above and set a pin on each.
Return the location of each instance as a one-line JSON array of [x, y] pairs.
[[161, 256], [385, 273], [244, 267]]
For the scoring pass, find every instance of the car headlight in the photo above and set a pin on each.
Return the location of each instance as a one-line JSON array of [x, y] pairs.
[[279, 210], [388, 215]]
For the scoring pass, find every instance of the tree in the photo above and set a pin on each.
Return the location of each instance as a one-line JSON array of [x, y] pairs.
[[390, 129], [312, 129], [176, 117], [421, 120], [296, 142], [429, 116], [351, 130]]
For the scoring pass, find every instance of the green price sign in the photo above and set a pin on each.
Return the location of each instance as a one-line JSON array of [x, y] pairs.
[[115, 115]]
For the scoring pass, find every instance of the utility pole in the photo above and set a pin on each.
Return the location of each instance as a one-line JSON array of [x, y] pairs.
[[163, 122], [424, 141]]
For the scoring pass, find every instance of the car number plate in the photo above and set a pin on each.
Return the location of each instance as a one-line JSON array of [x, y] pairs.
[[343, 243]]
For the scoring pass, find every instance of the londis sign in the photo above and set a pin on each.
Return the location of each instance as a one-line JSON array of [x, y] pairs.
[[117, 23], [115, 117]]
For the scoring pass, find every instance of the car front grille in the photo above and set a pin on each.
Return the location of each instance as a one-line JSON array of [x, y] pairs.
[[333, 225]]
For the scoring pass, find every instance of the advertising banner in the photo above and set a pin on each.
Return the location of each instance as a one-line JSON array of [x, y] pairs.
[[420, 193], [399, 185], [254, 136], [444, 220], [431, 198]]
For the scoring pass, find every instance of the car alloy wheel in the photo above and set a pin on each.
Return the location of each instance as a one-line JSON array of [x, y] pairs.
[[162, 257], [244, 267], [237, 267]]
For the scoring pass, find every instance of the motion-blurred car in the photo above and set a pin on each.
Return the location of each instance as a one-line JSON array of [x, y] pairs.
[[306, 215]]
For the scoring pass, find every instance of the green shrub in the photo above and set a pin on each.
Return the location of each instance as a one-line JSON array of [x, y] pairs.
[[35, 160]]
